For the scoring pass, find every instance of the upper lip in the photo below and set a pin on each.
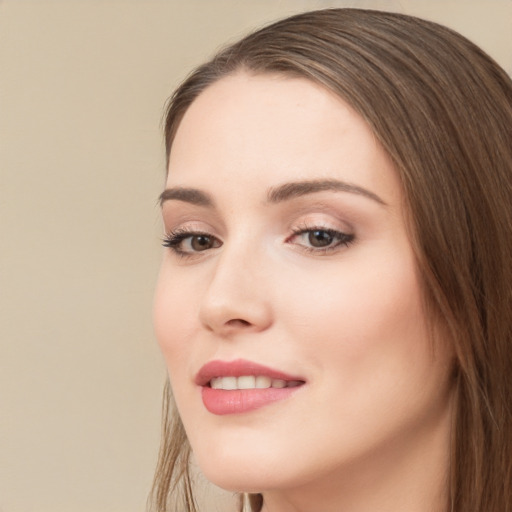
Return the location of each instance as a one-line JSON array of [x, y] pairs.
[[238, 368]]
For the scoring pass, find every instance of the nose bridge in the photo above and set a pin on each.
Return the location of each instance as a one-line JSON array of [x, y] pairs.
[[236, 297]]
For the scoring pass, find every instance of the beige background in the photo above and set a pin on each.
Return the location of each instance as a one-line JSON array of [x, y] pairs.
[[82, 85]]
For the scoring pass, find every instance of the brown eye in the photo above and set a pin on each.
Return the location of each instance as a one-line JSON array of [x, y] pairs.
[[321, 241], [185, 243], [201, 242], [320, 238]]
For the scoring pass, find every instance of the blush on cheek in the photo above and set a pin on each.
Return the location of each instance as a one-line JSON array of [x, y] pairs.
[[169, 319]]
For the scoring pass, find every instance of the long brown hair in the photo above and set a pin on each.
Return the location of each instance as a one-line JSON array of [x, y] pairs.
[[442, 109]]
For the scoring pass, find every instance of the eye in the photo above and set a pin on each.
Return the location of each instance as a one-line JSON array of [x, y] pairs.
[[320, 239], [200, 242], [185, 242]]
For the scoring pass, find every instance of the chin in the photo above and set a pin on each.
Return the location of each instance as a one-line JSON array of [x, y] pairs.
[[243, 472], [256, 472]]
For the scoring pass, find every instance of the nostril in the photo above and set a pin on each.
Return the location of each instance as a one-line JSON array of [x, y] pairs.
[[238, 322]]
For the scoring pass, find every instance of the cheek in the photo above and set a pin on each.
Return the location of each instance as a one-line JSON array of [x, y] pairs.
[[173, 304], [364, 328], [357, 304]]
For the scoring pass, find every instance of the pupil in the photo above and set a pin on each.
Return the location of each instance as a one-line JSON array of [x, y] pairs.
[[320, 238], [200, 243]]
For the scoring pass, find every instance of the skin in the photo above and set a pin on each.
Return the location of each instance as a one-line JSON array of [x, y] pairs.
[[370, 428]]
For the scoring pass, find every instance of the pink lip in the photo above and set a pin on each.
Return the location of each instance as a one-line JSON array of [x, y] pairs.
[[222, 402]]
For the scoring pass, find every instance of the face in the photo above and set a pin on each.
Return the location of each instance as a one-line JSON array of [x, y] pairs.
[[288, 307]]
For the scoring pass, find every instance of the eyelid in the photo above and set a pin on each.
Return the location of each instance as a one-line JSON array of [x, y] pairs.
[[188, 224]]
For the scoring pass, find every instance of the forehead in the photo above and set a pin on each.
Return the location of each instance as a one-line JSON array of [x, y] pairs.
[[270, 129]]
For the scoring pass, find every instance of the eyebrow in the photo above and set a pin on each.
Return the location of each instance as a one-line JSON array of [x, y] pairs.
[[275, 195], [188, 195], [289, 191]]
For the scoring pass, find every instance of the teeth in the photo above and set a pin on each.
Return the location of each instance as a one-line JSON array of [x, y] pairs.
[[229, 383], [248, 382], [263, 382], [251, 382]]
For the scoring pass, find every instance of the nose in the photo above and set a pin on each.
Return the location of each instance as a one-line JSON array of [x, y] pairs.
[[236, 299]]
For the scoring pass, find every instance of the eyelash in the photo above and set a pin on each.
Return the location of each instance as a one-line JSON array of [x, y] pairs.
[[174, 239]]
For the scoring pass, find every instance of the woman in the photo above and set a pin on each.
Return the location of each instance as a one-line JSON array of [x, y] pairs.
[[334, 300]]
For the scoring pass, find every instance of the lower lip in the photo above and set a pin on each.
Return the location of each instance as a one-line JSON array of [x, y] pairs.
[[221, 401]]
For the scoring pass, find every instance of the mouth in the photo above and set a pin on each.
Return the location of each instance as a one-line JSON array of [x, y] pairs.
[[243, 374], [240, 386], [251, 382]]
